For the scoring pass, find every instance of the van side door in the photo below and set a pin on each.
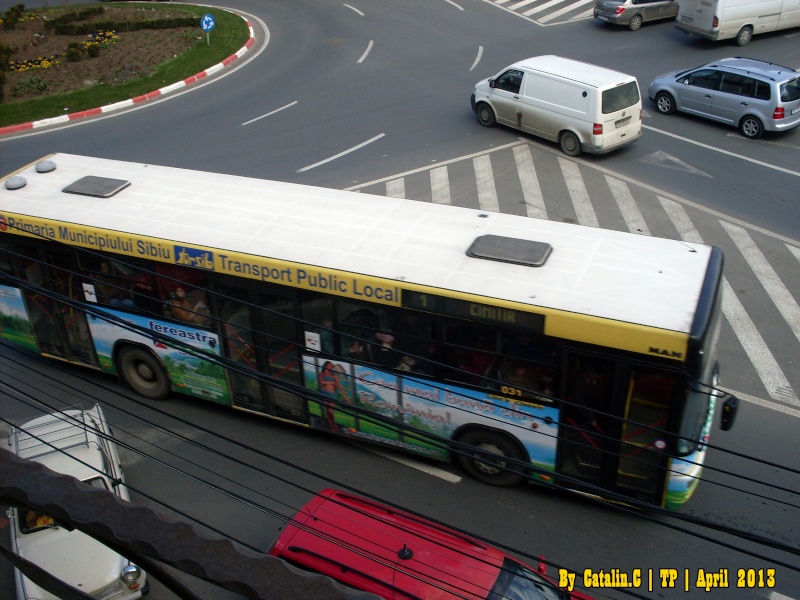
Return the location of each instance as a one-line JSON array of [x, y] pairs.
[[506, 97]]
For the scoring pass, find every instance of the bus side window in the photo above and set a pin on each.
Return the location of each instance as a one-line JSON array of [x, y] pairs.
[[318, 320], [471, 350], [118, 284], [529, 357], [358, 326], [183, 293], [414, 341]]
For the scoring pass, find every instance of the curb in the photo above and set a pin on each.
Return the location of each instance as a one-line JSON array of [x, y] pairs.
[[138, 99]]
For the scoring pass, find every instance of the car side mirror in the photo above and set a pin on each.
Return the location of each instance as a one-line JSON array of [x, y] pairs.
[[492, 83], [542, 568], [730, 406]]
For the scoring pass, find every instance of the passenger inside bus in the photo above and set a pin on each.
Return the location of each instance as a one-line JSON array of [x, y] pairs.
[[185, 307], [110, 288]]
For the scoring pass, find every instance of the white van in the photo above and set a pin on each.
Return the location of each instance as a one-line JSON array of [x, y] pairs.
[[583, 107], [740, 19]]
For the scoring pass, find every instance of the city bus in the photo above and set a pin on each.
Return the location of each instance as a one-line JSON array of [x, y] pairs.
[[520, 348]]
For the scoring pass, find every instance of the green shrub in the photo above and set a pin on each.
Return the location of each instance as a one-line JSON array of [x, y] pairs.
[[5, 56], [73, 54], [2, 86], [32, 85], [93, 50], [12, 16]]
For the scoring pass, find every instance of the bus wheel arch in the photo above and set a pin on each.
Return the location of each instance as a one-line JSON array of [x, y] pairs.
[[498, 442], [142, 371]]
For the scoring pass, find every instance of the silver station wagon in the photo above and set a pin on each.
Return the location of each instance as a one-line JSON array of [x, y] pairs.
[[753, 95], [633, 13]]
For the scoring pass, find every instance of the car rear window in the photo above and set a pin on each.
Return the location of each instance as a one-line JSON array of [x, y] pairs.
[[620, 97], [790, 91]]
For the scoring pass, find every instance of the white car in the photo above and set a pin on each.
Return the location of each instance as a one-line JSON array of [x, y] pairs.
[[72, 556]]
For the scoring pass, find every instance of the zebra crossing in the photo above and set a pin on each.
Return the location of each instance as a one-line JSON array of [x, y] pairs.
[[761, 287], [548, 12]]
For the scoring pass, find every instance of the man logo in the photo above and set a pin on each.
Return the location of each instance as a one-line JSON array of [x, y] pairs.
[[667, 353]]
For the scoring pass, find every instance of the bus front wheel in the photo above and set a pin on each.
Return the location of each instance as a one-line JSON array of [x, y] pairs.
[[143, 373], [494, 471]]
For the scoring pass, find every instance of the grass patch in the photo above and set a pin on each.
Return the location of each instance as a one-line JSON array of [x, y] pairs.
[[229, 35]]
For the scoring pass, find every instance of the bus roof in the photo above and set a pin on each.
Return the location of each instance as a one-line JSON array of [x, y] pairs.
[[596, 272]]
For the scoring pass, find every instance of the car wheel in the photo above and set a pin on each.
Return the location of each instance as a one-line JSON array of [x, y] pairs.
[[744, 36], [665, 103], [494, 471], [143, 373], [635, 22], [486, 115], [751, 127], [570, 144]]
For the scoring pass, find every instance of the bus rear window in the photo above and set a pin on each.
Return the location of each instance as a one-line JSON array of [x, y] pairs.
[[620, 97]]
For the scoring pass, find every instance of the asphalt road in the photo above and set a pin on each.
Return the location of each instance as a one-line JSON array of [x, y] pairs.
[[363, 94]]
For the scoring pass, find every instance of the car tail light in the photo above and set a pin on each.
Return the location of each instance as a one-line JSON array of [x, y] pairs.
[[597, 129], [778, 113], [715, 22], [619, 10]]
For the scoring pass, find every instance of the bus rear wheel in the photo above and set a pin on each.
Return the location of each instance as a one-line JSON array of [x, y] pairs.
[[143, 373], [494, 471]]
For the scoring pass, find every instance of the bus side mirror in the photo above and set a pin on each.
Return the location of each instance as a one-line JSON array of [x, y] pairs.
[[730, 404]]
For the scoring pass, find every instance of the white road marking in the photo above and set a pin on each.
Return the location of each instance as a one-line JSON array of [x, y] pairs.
[[792, 412], [487, 193], [270, 113], [567, 8], [454, 4], [773, 285], [348, 151], [663, 159], [425, 468], [768, 369], [363, 56], [532, 192], [627, 206], [477, 58], [714, 149], [421, 169], [396, 188], [354, 9], [577, 191], [440, 186]]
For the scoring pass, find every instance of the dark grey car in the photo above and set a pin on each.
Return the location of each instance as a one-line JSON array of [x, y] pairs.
[[634, 12]]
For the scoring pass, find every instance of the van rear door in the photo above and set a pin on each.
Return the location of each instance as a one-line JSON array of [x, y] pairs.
[[621, 108]]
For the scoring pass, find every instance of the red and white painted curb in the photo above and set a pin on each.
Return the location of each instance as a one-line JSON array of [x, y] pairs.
[[139, 99]]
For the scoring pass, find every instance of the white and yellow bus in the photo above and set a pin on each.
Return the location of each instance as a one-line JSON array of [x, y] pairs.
[[582, 357]]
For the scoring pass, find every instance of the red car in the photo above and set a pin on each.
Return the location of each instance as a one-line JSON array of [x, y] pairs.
[[378, 549]]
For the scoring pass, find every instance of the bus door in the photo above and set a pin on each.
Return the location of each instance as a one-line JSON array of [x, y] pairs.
[[61, 329], [612, 427], [259, 334], [641, 471]]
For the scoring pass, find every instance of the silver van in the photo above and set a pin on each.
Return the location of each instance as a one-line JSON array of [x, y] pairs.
[[752, 95], [583, 107]]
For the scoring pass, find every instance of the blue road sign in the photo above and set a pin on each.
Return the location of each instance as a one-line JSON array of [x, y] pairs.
[[207, 22]]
